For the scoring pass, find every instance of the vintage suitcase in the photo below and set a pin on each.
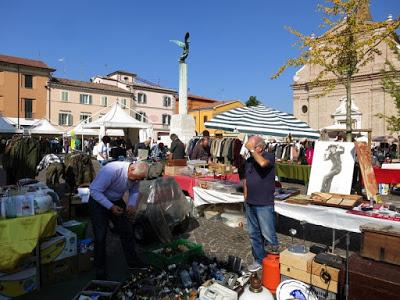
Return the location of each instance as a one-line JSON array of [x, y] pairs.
[[381, 243], [369, 279]]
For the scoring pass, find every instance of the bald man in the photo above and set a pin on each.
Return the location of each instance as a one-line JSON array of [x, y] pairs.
[[106, 204], [259, 189]]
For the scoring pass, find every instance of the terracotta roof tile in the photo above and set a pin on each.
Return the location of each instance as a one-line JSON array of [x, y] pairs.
[[216, 104], [89, 85], [199, 98], [24, 62]]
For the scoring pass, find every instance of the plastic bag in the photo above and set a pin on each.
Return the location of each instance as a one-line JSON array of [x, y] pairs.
[[164, 205]]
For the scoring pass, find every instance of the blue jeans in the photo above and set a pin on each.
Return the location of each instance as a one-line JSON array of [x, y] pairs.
[[261, 227]]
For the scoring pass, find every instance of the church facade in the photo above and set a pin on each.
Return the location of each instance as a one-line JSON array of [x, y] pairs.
[[368, 97]]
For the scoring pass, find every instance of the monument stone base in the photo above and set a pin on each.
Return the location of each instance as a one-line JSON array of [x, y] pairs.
[[183, 126]]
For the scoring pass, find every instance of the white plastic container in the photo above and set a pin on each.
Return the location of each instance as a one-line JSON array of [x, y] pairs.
[[217, 292]]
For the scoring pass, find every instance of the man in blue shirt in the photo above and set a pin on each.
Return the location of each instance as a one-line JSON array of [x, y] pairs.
[[106, 203], [259, 189]]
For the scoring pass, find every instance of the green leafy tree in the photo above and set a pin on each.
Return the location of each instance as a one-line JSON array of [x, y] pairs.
[[350, 42], [253, 101], [391, 83]]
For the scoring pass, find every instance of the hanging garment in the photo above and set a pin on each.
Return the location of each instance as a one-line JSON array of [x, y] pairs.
[[20, 158], [78, 169]]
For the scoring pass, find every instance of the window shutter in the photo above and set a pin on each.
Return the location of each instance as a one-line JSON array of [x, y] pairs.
[[59, 119], [33, 106], [81, 98], [90, 99], [70, 120]]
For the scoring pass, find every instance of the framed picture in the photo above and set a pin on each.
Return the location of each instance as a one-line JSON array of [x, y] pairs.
[[332, 168]]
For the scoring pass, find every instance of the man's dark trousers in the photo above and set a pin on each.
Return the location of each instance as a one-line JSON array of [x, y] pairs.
[[100, 217]]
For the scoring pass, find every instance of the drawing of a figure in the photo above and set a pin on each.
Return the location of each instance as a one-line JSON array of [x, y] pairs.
[[332, 153]]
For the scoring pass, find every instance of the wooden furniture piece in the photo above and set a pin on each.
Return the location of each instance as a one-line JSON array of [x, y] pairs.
[[369, 279]]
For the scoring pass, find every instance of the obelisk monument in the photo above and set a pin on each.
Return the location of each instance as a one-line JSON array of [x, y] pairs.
[[182, 124]]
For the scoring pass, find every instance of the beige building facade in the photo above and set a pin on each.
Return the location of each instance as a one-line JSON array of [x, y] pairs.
[[23, 87], [368, 96], [153, 104], [73, 101]]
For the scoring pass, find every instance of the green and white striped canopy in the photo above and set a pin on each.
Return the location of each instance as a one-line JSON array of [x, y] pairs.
[[262, 120]]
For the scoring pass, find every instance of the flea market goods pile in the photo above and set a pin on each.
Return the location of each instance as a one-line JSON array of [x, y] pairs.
[[181, 281]]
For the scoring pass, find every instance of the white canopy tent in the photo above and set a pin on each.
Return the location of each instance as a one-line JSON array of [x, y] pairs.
[[78, 130], [7, 127], [117, 118], [23, 122], [43, 126]]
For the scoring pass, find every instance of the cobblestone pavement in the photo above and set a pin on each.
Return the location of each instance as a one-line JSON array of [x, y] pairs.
[[220, 240]]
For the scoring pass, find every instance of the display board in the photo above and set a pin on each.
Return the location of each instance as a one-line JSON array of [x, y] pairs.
[[364, 159], [332, 168]]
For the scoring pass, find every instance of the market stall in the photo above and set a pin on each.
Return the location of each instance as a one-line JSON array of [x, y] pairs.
[[28, 217], [187, 183], [6, 126], [331, 217], [20, 236], [43, 127], [388, 176], [262, 120], [117, 118]]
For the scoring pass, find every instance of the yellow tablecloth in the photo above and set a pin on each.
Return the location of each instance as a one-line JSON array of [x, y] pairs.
[[19, 236]]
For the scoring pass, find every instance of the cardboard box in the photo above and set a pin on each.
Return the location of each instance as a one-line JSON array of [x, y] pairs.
[[173, 170], [309, 278], [61, 246], [299, 261], [60, 270], [18, 283], [78, 227]]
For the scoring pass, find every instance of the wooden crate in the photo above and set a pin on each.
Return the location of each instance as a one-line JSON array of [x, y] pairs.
[[381, 243]]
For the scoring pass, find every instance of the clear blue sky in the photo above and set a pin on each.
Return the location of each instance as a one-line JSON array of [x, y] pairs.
[[235, 45]]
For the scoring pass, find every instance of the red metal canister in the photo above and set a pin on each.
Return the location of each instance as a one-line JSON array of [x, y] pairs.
[[271, 275]]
